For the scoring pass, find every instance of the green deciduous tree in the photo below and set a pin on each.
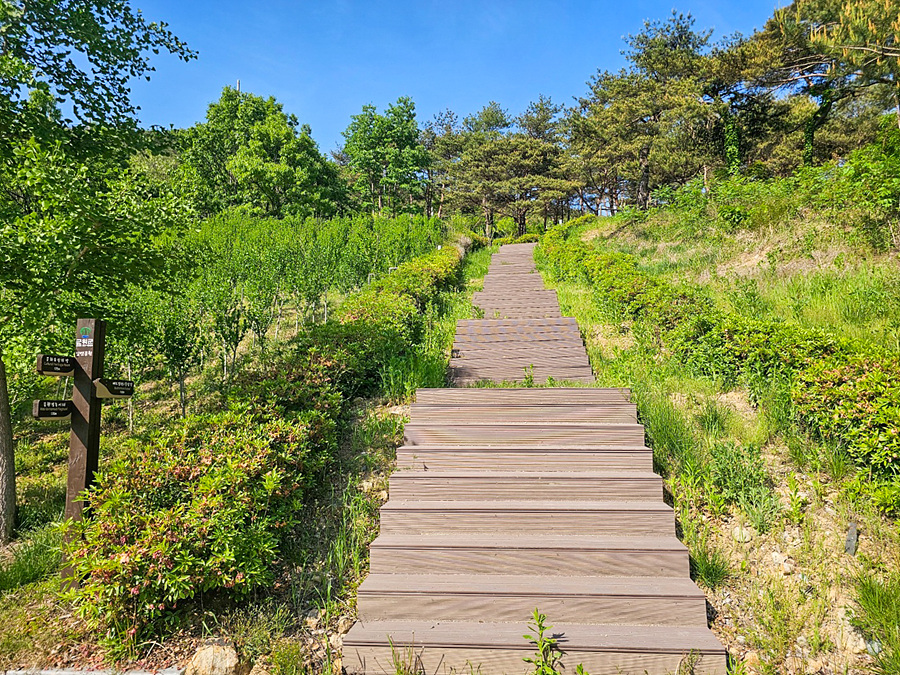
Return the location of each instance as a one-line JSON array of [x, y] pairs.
[[249, 152], [386, 157], [74, 223]]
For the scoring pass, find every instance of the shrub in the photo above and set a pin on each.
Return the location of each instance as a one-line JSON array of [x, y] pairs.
[[854, 400], [201, 508], [390, 312], [424, 277]]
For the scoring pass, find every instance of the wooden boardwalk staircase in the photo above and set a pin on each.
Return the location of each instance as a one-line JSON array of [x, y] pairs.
[[507, 500]]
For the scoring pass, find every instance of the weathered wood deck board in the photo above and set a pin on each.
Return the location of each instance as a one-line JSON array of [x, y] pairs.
[[526, 553], [509, 499], [442, 647], [589, 600], [535, 458], [436, 485], [570, 395]]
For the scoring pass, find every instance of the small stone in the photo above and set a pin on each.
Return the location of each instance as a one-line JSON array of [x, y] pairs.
[[873, 647], [336, 640], [741, 534], [216, 659], [787, 567], [854, 643], [258, 669], [852, 541], [751, 658], [777, 558], [792, 664], [345, 623], [741, 640], [312, 619], [814, 666]]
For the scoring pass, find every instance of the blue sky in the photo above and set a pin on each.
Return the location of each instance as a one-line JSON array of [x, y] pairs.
[[325, 60]]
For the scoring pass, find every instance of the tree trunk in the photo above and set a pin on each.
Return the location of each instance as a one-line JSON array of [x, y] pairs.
[[520, 224], [897, 102], [181, 394], [732, 145], [643, 193], [7, 462]]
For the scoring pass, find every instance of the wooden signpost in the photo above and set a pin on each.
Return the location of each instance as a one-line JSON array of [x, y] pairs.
[[90, 389]]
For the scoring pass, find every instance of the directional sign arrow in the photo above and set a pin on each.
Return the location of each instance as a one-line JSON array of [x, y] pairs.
[[59, 366], [107, 388], [52, 410]]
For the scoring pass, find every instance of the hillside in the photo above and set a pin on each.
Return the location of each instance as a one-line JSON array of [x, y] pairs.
[[758, 353]]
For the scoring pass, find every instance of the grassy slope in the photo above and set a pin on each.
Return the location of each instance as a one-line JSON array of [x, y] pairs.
[[785, 600], [298, 624]]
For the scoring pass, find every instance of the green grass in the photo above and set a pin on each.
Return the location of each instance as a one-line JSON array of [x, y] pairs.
[[34, 557], [878, 600]]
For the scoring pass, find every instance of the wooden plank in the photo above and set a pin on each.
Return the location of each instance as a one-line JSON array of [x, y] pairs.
[[543, 554], [534, 458], [561, 517], [466, 325], [439, 647], [508, 411], [512, 597], [569, 395], [521, 434], [435, 485]]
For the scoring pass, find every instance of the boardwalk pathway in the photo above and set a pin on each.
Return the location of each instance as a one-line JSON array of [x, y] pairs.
[[507, 500]]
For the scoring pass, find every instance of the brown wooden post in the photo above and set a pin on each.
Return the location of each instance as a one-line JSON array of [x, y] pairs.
[[84, 441]]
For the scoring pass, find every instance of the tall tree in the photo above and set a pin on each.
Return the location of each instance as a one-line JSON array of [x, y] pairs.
[[656, 99], [250, 152], [73, 223], [386, 156]]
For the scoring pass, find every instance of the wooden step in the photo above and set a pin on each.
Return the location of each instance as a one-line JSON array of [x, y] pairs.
[[529, 553], [560, 517], [442, 647], [525, 458], [569, 433], [468, 325], [656, 601], [436, 485], [504, 362], [478, 381], [517, 373], [618, 411], [550, 351], [525, 396]]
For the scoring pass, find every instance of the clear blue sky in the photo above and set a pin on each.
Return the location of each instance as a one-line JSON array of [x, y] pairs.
[[324, 60]]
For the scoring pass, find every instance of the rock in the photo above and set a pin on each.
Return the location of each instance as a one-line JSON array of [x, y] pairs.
[[741, 640], [873, 647], [852, 541], [777, 558], [336, 641], [751, 658], [312, 618], [258, 669], [741, 534], [814, 666], [787, 567], [345, 623], [216, 659], [854, 643], [793, 664]]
